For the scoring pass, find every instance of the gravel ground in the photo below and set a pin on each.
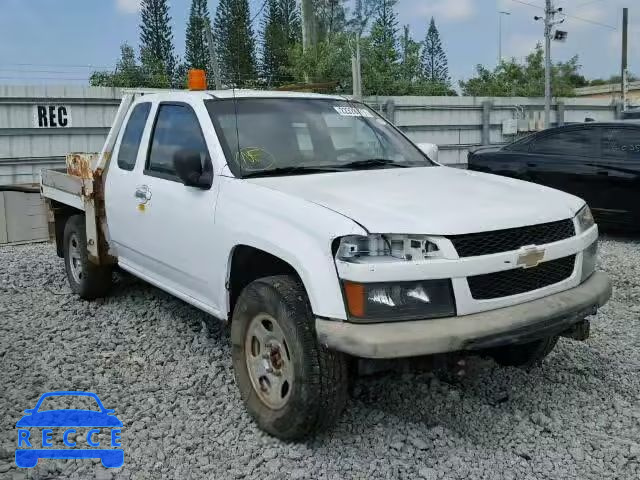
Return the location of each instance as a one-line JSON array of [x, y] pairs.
[[165, 368]]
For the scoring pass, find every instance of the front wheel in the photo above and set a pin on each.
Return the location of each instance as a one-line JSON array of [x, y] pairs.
[[291, 385], [525, 355], [87, 280]]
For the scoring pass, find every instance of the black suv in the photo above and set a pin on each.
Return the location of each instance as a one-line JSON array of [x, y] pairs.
[[599, 162]]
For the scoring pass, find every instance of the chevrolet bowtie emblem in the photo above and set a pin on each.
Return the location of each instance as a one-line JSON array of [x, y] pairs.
[[530, 256]]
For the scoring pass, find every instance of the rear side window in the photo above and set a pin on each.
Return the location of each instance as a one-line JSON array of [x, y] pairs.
[[621, 143], [176, 128], [571, 142], [132, 135]]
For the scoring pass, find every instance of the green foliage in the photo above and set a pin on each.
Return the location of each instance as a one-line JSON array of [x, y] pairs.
[[526, 79], [330, 17], [434, 61], [235, 42], [280, 32], [327, 61], [614, 79], [156, 38], [380, 71], [196, 47], [129, 74]]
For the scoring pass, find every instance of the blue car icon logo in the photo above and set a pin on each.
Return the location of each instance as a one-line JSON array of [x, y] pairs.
[[30, 449]]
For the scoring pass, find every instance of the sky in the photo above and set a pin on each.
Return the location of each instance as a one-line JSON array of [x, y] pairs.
[[62, 41]]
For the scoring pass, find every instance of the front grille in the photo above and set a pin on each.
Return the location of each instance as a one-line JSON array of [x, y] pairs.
[[520, 280], [486, 243]]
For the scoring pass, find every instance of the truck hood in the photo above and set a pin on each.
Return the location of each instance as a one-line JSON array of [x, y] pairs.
[[429, 200]]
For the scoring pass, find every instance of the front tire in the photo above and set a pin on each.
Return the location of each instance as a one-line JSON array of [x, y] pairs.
[[291, 385], [86, 279], [525, 355]]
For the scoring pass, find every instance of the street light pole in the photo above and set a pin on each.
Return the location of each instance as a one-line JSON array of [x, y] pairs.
[[500, 15], [548, 19]]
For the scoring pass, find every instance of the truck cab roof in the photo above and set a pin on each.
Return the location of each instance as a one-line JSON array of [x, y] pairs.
[[238, 93]]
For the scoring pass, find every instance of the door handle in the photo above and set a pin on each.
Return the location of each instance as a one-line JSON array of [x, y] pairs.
[[143, 193]]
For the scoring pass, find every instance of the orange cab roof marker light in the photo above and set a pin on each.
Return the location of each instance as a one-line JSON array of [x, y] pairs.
[[197, 80]]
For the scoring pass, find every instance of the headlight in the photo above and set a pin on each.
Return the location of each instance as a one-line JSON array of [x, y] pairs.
[[397, 301], [585, 219], [356, 248], [589, 259]]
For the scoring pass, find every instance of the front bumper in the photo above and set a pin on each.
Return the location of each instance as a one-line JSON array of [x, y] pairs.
[[545, 316]]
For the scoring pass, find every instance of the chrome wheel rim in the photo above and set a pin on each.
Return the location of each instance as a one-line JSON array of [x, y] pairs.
[[268, 361], [75, 262]]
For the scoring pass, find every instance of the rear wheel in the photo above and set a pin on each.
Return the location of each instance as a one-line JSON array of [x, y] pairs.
[[86, 279], [525, 355], [291, 385]]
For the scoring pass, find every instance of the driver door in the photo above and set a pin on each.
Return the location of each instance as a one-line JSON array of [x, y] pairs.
[[171, 233]]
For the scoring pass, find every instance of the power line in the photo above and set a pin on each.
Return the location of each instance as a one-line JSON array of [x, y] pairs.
[[264, 4], [57, 65], [567, 15]]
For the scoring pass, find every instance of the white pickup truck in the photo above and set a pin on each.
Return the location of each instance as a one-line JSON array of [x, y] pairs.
[[322, 234]]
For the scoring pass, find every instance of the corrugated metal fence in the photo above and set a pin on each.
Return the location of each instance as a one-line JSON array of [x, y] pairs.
[[457, 124], [41, 124]]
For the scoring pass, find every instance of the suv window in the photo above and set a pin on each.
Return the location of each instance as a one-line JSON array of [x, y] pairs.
[[570, 142], [621, 143], [176, 128], [130, 143]]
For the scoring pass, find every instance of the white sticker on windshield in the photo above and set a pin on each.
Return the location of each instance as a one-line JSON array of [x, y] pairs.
[[353, 112]]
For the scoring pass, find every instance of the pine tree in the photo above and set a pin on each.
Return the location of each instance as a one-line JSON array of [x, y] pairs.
[[280, 31], [197, 48], [156, 49], [434, 60], [330, 16], [381, 71], [235, 42]]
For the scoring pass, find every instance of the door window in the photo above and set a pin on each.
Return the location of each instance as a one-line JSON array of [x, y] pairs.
[[130, 143], [570, 142], [176, 128], [621, 143]]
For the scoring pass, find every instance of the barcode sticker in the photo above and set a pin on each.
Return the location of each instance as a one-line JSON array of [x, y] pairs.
[[353, 112]]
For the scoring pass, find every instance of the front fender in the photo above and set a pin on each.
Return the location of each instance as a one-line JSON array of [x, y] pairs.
[[295, 230]]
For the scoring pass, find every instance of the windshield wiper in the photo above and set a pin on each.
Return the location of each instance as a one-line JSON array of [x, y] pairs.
[[372, 163], [274, 172]]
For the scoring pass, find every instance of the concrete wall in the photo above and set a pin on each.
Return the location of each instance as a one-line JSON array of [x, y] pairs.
[[23, 218]]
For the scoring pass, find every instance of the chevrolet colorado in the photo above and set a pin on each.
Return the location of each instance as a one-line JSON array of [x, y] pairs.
[[322, 234]]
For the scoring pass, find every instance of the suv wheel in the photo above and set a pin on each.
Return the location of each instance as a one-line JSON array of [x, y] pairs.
[[291, 385]]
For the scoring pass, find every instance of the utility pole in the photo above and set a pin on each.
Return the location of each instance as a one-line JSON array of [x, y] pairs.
[[213, 58], [308, 25], [549, 15], [500, 15], [624, 74], [356, 69]]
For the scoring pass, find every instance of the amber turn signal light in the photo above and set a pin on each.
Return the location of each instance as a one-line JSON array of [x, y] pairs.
[[355, 298]]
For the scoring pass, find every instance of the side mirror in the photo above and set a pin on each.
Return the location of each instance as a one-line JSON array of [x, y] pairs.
[[430, 149], [29, 410], [188, 165], [109, 411]]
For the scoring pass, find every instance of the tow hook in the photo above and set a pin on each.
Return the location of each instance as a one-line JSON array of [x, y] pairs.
[[579, 331]]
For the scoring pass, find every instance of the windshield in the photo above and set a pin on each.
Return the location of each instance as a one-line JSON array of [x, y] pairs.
[[294, 136]]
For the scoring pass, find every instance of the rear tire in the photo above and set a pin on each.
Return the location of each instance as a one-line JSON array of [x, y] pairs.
[[86, 279], [525, 355], [291, 385]]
